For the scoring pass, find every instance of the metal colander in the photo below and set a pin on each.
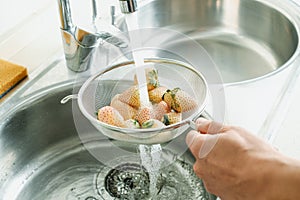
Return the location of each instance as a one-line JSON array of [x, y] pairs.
[[99, 90]]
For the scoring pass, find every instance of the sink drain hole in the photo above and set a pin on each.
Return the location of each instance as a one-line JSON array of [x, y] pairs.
[[131, 181], [128, 181]]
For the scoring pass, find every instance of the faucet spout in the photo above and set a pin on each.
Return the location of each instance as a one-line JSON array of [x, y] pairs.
[[80, 45], [128, 6]]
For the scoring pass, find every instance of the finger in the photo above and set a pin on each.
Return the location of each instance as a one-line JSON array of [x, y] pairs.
[[194, 140], [208, 145], [209, 126], [201, 145]]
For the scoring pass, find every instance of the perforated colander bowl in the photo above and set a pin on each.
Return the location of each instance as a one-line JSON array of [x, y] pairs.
[[99, 90]]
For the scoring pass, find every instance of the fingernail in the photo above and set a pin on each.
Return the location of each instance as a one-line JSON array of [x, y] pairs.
[[190, 137], [201, 120]]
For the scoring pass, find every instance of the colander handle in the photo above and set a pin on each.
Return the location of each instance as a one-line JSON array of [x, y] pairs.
[[192, 125], [66, 99]]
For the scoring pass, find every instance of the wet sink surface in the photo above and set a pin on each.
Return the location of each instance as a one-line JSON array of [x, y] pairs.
[[42, 157], [246, 39]]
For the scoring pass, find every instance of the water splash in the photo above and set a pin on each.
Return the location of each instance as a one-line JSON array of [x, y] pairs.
[[151, 159], [173, 181]]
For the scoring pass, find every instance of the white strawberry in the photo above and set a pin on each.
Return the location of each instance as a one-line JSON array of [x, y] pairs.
[[151, 78], [160, 109], [171, 118], [179, 100], [156, 94], [132, 123], [111, 116], [153, 123], [127, 111], [131, 96], [144, 114]]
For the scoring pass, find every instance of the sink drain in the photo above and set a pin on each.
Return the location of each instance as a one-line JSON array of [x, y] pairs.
[[128, 181], [125, 181]]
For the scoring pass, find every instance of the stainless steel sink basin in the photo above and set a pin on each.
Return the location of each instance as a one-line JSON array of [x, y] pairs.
[[43, 157], [247, 39]]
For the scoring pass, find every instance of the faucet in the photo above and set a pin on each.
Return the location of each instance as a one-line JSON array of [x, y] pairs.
[[80, 45]]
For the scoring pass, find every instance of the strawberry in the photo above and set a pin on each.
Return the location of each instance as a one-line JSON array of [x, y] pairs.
[[179, 100], [160, 109], [153, 123], [171, 118], [132, 123], [156, 94], [151, 78], [168, 97], [144, 114], [131, 96], [127, 111], [110, 115]]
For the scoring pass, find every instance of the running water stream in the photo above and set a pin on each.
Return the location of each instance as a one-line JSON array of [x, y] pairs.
[[138, 56], [150, 155], [151, 159]]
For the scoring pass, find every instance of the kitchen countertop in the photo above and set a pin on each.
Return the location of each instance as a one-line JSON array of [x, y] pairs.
[[21, 39], [288, 136]]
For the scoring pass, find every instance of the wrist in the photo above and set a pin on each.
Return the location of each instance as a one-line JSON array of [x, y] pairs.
[[284, 179]]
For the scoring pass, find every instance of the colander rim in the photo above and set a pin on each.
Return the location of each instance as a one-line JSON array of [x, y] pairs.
[[130, 131]]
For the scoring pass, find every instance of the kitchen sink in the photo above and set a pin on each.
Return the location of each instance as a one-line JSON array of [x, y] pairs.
[[255, 47], [42, 156]]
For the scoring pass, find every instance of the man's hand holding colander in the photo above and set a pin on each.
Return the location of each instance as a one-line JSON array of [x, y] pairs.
[[235, 164]]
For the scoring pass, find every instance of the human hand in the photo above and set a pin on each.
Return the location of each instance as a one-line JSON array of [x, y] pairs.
[[235, 164]]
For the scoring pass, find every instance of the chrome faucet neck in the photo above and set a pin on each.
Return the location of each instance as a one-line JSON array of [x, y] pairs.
[[128, 6], [65, 14]]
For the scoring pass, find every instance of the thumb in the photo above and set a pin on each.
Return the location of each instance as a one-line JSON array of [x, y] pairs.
[[201, 144]]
